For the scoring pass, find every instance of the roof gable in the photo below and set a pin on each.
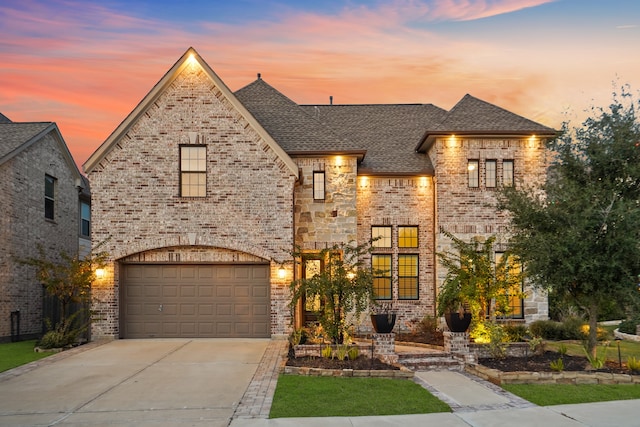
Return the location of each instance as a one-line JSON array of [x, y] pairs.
[[473, 116], [17, 137], [4, 119], [187, 58]]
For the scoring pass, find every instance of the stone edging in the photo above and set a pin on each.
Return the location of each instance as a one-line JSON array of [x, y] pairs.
[[402, 373], [567, 377], [627, 337]]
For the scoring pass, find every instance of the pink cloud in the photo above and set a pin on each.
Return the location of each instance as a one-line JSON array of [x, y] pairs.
[[88, 68]]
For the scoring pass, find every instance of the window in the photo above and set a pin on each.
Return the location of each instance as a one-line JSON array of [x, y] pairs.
[[318, 185], [408, 237], [381, 236], [490, 173], [49, 196], [473, 173], [407, 276], [85, 219], [193, 171], [507, 173], [381, 265], [513, 302]]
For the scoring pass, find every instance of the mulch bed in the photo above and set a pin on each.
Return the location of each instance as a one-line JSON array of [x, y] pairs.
[[542, 363], [360, 363]]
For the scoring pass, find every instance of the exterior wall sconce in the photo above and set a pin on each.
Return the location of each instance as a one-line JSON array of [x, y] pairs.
[[282, 273], [100, 273]]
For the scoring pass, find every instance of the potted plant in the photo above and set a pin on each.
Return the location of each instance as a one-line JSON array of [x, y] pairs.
[[453, 305], [383, 317]]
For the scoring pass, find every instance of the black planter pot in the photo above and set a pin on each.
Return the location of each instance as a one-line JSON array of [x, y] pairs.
[[383, 323], [457, 323]]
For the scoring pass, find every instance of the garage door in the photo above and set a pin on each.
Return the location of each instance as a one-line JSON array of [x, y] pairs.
[[212, 301]]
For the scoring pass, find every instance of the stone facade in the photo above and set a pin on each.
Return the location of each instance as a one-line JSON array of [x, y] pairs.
[[24, 227]]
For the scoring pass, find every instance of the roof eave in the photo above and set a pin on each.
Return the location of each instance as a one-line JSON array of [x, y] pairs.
[[359, 154], [429, 137]]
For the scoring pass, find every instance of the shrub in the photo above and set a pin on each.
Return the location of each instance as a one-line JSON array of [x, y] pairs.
[[342, 350], [327, 352], [497, 338], [64, 333], [557, 365], [353, 353], [633, 364], [629, 326], [570, 329], [515, 332]]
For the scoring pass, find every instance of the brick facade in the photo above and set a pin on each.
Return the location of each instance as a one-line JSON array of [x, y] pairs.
[[467, 212], [259, 200], [24, 227], [137, 208]]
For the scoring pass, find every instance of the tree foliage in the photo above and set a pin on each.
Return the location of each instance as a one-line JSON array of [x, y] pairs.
[[578, 234], [67, 278], [476, 280], [345, 285]]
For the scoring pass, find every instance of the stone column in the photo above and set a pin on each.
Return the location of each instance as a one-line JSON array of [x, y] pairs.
[[384, 347]]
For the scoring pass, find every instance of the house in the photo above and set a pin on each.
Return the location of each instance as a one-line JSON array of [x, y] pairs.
[[39, 207], [202, 193]]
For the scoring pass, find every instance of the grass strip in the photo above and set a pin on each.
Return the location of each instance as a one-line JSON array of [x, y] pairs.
[[302, 396], [563, 394], [18, 353]]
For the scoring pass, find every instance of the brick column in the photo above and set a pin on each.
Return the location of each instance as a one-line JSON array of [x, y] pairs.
[[457, 343], [384, 347]]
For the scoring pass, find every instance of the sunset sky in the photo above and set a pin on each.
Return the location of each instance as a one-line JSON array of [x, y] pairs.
[[87, 64]]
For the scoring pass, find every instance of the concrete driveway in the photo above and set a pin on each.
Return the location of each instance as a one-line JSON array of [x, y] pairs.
[[159, 382]]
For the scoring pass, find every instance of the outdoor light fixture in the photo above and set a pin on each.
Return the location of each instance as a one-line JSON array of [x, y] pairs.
[[100, 273], [282, 273]]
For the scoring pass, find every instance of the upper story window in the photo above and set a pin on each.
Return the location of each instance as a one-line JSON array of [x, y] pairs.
[[490, 173], [407, 237], [318, 185], [381, 236], [49, 196], [85, 219], [507, 173], [193, 171], [473, 173]]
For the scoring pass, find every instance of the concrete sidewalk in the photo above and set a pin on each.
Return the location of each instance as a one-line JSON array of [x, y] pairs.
[[476, 403]]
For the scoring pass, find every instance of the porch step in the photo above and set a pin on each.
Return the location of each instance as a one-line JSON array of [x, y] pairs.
[[431, 361]]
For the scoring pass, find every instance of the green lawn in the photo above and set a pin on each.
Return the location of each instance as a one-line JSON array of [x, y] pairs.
[[575, 348], [18, 353], [561, 394], [301, 396]]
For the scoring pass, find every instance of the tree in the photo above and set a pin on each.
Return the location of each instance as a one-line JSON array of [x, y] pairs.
[[344, 286], [578, 234], [68, 279], [477, 280]]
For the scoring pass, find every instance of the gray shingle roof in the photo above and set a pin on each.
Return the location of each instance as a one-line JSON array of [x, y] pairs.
[[395, 137], [286, 122], [13, 135], [4, 119], [389, 133], [471, 114]]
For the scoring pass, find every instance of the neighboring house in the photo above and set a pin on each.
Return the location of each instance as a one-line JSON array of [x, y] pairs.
[[203, 193], [39, 206]]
